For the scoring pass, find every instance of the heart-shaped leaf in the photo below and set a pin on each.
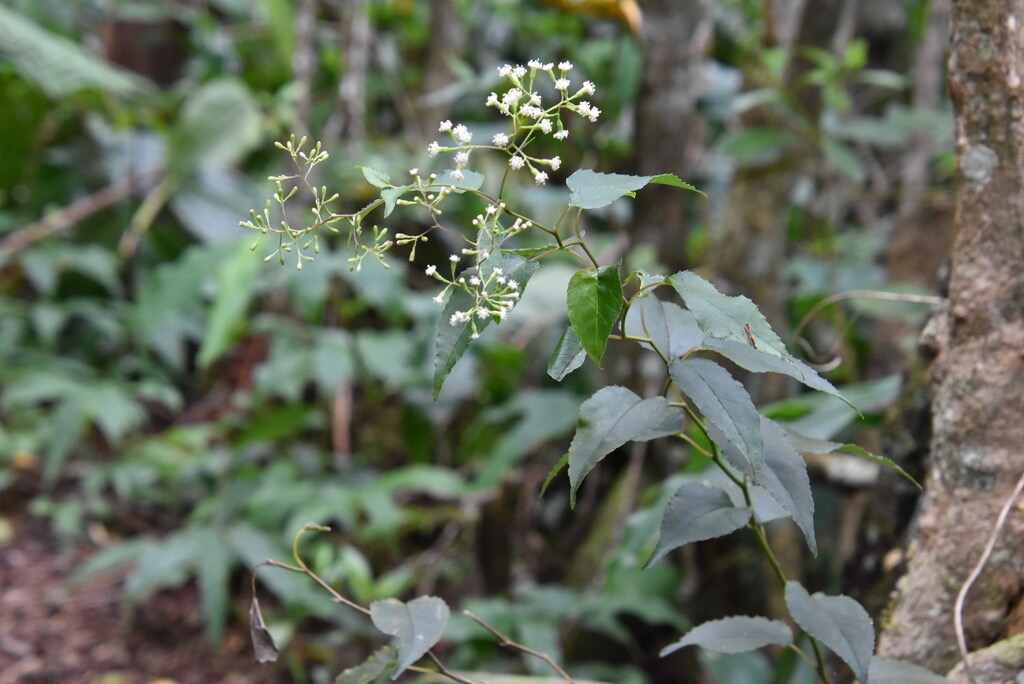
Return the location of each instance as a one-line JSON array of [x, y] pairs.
[[737, 634], [611, 417], [594, 300], [839, 622], [694, 513], [416, 626]]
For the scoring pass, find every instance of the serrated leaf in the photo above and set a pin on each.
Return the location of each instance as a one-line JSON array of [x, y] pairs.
[[593, 190], [888, 462], [417, 626], [671, 328], [839, 622], [453, 340], [694, 513], [391, 197], [567, 357], [723, 317], [813, 445], [370, 670], [594, 299], [375, 177], [737, 634], [262, 641], [886, 671], [757, 361], [783, 475], [236, 277], [611, 417], [724, 403]]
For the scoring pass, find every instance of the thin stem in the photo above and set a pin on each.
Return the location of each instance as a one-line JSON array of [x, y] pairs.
[[509, 643]]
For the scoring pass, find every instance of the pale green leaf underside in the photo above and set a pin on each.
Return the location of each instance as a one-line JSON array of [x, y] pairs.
[[696, 512], [737, 634], [839, 622], [611, 417]]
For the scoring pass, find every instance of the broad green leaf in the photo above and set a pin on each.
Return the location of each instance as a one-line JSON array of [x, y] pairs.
[[724, 403], [593, 190], [784, 474], [375, 177], [262, 641], [372, 669], [694, 513], [671, 328], [213, 563], [567, 357], [839, 622], [611, 417], [725, 318], [886, 671], [219, 124], [417, 626], [594, 300], [55, 64], [757, 361], [236, 278], [453, 340], [737, 634], [391, 197]]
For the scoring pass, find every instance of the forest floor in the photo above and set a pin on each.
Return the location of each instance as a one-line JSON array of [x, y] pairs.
[[50, 633]]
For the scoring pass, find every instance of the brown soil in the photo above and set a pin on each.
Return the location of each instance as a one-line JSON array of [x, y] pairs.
[[87, 635]]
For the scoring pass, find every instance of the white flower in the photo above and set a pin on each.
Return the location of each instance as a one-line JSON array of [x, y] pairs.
[[594, 113], [462, 158], [462, 134], [545, 125], [445, 126], [562, 84], [457, 175], [535, 64], [492, 100], [500, 140], [439, 299], [548, 66], [531, 112], [561, 135], [502, 313], [519, 71], [475, 336], [512, 96], [556, 162], [540, 177], [492, 209], [565, 66], [433, 148], [474, 281], [535, 99], [414, 172], [482, 313], [431, 270], [496, 271], [454, 258], [513, 285], [505, 71], [589, 88], [516, 162]]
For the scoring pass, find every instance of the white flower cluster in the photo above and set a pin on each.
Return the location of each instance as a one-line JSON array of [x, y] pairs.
[[494, 294], [529, 117]]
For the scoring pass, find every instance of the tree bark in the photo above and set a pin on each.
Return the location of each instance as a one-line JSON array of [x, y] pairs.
[[978, 423]]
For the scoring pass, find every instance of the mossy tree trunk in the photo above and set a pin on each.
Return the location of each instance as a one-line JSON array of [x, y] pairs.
[[978, 425]]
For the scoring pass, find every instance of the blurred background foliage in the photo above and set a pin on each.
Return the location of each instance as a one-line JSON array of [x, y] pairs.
[[181, 408]]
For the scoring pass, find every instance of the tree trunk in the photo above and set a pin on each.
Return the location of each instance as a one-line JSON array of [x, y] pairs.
[[978, 424]]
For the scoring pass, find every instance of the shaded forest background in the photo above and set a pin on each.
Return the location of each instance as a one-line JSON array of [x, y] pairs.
[[173, 410]]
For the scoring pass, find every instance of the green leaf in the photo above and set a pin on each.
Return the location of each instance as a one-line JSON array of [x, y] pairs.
[[726, 318], [262, 641], [417, 626], [737, 634], [694, 513], [567, 357], [842, 158], [724, 403], [453, 340], [236, 278], [375, 177], [813, 445], [886, 671], [593, 190], [671, 328], [55, 64], [766, 361], [214, 563], [784, 474], [219, 124], [755, 146], [611, 417], [372, 669], [553, 473], [594, 300], [391, 197], [839, 622]]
